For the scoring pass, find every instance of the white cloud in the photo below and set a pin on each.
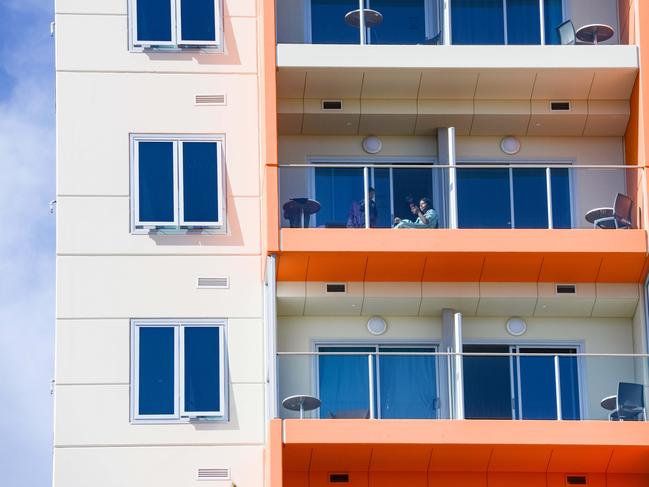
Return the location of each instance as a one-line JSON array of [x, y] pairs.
[[27, 169]]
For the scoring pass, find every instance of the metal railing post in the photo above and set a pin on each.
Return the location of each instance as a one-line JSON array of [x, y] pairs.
[[557, 386], [370, 368], [542, 21], [366, 195], [548, 190], [361, 21]]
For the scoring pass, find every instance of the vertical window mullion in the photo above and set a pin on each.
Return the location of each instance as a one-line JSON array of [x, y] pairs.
[[511, 199], [180, 370], [179, 183], [176, 21], [505, 22]]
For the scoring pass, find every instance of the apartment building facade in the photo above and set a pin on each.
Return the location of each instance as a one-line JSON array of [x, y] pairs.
[[234, 306]]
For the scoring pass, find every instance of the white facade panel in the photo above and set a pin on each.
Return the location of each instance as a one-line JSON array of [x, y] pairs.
[[97, 112], [108, 50], [77, 232], [157, 287], [140, 466], [98, 415]]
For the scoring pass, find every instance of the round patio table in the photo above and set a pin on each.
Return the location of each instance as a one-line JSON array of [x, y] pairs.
[[301, 402], [594, 33]]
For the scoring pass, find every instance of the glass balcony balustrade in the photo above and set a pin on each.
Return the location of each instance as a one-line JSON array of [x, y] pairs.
[[484, 382], [466, 195], [436, 22]]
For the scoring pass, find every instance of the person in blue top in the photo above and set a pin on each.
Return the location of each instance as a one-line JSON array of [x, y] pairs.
[[426, 216]]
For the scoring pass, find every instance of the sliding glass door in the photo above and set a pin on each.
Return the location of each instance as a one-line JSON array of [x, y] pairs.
[[485, 22], [523, 386], [403, 22], [405, 383], [512, 198]]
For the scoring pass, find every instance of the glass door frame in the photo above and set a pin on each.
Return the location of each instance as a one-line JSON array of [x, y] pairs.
[[377, 345]]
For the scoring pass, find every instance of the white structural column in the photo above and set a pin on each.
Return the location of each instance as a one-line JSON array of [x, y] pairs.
[[446, 157], [451, 373], [270, 338]]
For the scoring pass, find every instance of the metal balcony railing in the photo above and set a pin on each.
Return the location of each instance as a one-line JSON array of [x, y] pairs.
[[418, 382], [465, 195]]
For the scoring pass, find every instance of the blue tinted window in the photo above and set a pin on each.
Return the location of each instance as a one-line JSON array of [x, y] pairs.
[[553, 14], [477, 22], [523, 22], [410, 185], [200, 182], [487, 383], [154, 20], [530, 198], [156, 181], [197, 20], [156, 371], [538, 393], [339, 192], [560, 180], [403, 22], [382, 198], [483, 198], [328, 24], [343, 381], [408, 384], [202, 369]]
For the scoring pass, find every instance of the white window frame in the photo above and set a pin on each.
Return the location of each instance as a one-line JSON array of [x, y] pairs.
[[179, 414], [179, 224], [176, 42]]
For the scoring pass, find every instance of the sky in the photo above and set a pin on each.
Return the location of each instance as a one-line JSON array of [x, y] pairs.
[[27, 241]]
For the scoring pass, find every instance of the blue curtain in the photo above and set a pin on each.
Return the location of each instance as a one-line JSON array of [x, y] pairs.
[[530, 198], [477, 22], [523, 22], [553, 10], [561, 214], [343, 381], [403, 22], [408, 384], [483, 198], [336, 189], [328, 24]]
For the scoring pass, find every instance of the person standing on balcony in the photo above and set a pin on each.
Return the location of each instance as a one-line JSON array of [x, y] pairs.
[[356, 218], [426, 216]]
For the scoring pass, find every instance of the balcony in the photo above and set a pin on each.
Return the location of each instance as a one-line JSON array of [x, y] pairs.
[[489, 222], [398, 429]]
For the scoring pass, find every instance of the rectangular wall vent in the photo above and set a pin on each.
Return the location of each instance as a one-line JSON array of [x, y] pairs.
[[336, 288], [560, 106], [214, 282], [576, 480], [213, 474], [338, 478], [332, 105], [208, 100], [566, 289]]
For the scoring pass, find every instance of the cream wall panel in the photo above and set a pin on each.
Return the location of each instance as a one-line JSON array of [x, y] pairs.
[[94, 157], [318, 302], [297, 334], [139, 466], [108, 50], [78, 408], [78, 233], [157, 287], [395, 299], [93, 351], [238, 8], [246, 350]]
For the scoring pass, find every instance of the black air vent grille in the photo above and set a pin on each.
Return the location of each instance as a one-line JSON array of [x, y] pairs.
[[332, 105], [560, 106], [576, 480], [336, 288], [338, 478], [566, 289]]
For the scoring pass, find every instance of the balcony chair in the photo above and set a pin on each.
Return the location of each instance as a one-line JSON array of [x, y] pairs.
[[617, 217], [630, 403], [566, 32], [350, 414]]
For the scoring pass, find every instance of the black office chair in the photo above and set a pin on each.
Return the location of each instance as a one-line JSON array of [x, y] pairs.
[[566, 32], [620, 214], [630, 403]]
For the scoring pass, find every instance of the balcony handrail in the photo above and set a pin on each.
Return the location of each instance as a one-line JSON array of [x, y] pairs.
[[468, 354], [460, 165]]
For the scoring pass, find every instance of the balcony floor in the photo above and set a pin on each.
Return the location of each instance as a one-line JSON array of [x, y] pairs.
[[462, 255], [464, 453]]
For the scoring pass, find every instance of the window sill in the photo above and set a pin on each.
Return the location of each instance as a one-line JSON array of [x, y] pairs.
[[176, 49], [179, 231]]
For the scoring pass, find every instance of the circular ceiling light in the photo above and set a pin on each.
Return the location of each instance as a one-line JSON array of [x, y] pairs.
[[372, 144], [510, 145], [516, 326], [377, 325]]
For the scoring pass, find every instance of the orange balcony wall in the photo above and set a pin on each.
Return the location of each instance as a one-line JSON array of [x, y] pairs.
[[462, 255], [420, 453]]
